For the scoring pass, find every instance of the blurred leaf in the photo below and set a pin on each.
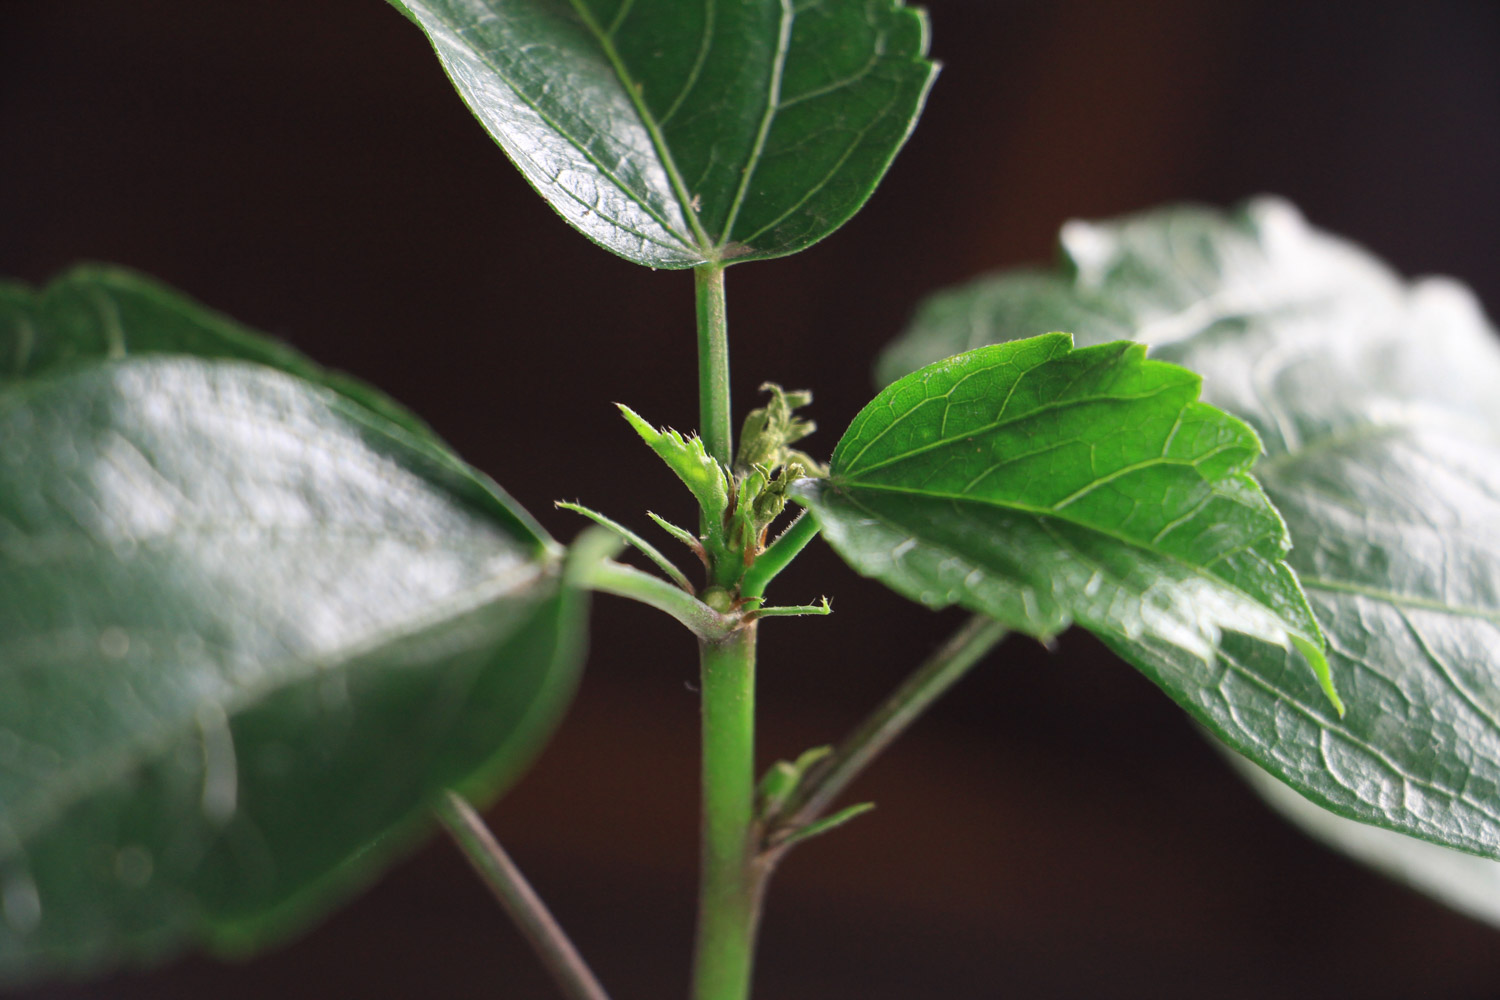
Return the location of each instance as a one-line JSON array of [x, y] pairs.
[[249, 629], [102, 310], [822, 826], [682, 132], [1465, 882], [1379, 403]]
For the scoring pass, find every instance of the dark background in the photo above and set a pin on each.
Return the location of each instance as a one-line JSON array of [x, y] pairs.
[[1055, 828]]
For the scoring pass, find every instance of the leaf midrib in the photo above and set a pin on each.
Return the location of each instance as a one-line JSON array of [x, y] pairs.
[[998, 423], [653, 128], [456, 32], [1399, 600], [1049, 514], [990, 428], [773, 99]]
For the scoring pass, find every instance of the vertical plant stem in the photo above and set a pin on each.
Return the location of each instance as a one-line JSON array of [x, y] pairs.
[[716, 427], [515, 894], [728, 897]]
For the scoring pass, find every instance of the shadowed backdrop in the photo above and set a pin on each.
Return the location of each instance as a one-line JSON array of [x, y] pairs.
[[1055, 828]]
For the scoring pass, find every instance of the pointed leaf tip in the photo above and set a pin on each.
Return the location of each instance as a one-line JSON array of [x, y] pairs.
[[1375, 400], [1041, 485]]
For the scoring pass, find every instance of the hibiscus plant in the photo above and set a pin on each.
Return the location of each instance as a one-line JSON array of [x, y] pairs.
[[261, 629]]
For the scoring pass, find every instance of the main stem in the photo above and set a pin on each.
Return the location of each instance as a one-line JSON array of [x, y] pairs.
[[727, 900], [715, 425], [727, 897]]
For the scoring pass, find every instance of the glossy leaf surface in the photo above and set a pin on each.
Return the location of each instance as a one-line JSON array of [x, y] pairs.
[[249, 629], [1043, 485], [679, 132], [1379, 404], [102, 311]]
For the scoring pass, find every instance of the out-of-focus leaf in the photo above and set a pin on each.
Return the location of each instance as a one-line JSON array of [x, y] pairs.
[[249, 630], [1379, 404]]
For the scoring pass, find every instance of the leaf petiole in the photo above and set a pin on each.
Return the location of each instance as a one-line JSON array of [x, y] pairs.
[[713, 363], [644, 547], [778, 555], [590, 564], [519, 899], [831, 775], [821, 608]]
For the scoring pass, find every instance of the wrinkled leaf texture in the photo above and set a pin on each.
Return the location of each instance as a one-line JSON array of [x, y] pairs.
[[1043, 485], [1379, 404], [253, 618], [682, 132]]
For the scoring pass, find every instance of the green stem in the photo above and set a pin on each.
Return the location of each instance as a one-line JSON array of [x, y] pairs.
[[778, 555], [713, 364], [728, 901], [927, 683], [610, 577], [644, 547], [515, 894]]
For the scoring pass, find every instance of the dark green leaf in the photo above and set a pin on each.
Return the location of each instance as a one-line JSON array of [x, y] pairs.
[[1379, 403], [1042, 485], [249, 629], [103, 311], [680, 132]]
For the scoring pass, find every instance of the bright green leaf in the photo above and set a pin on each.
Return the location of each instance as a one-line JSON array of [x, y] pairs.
[[680, 132], [705, 478], [1379, 403], [1043, 485], [249, 629]]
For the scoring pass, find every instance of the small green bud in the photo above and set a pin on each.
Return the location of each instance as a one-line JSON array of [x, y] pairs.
[[769, 430]]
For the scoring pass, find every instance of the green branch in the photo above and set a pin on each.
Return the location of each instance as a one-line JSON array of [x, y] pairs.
[[778, 555], [610, 577], [831, 775], [515, 894]]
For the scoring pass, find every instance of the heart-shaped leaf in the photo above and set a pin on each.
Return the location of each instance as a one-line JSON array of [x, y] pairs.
[[249, 630], [1043, 485], [684, 132], [1379, 403]]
